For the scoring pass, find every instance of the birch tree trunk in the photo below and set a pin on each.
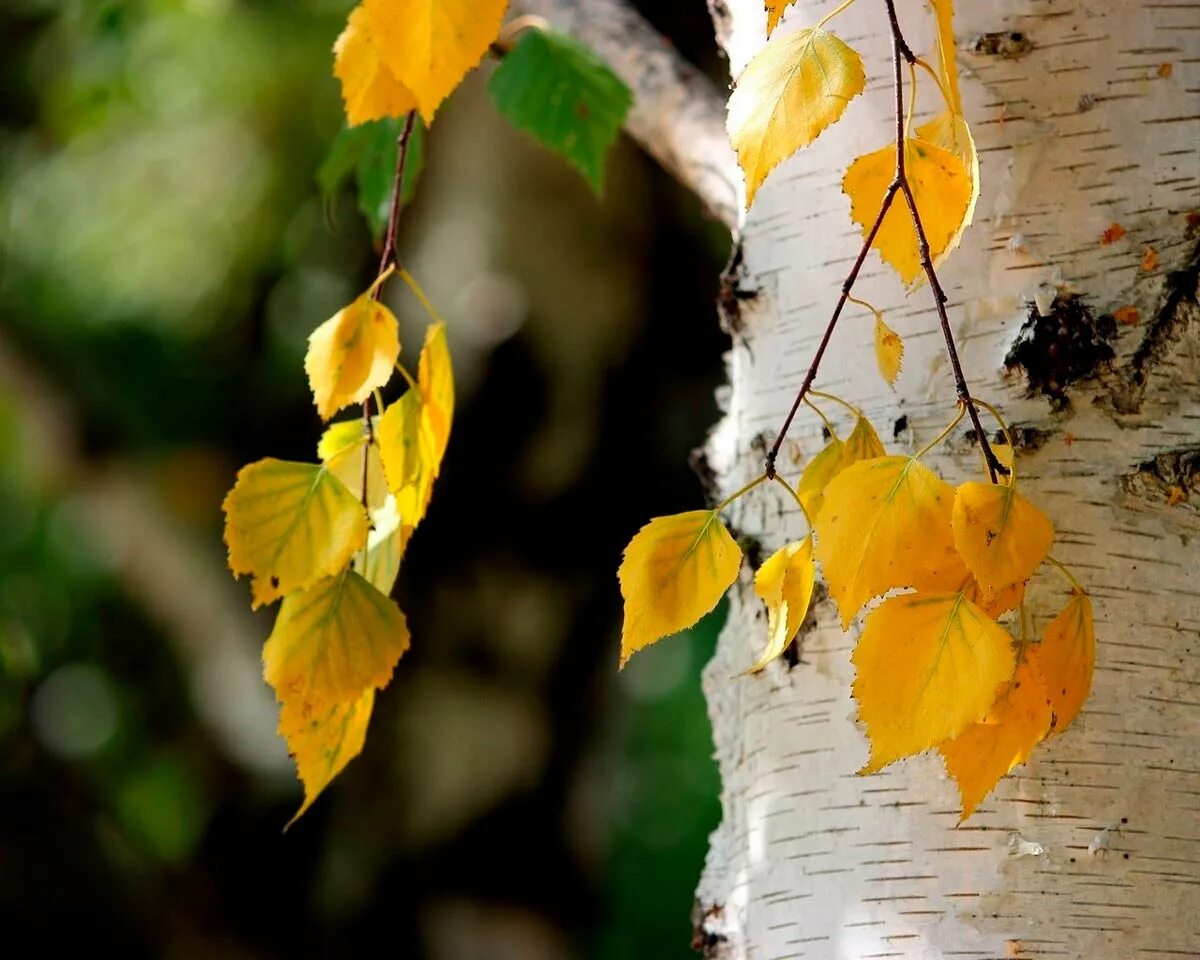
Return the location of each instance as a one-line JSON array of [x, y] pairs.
[[1085, 115]]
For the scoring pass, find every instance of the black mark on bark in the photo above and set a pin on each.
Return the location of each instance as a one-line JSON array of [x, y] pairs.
[[710, 944], [1002, 43], [733, 293], [793, 653], [1067, 344], [698, 461]]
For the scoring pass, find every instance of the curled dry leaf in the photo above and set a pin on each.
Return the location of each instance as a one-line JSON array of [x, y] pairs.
[[785, 584]]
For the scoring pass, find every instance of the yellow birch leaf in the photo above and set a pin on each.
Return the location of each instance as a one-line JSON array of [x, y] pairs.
[[1001, 535], [289, 524], [941, 188], [794, 88], [385, 547], [675, 570], [1007, 457], [369, 90], [415, 430], [341, 449], [947, 66], [983, 753], [820, 470], [351, 354], [927, 667], [775, 9], [333, 641], [889, 351], [430, 45], [785, 584], [950, 131], [1066, 658], [1003, 600], [322, 738], [886, 524], [862, 444]]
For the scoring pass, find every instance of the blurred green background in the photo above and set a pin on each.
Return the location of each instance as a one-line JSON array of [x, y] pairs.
[[164, 253]]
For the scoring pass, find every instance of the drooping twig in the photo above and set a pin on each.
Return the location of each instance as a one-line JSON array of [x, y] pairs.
[[901, 53], [387, 259]]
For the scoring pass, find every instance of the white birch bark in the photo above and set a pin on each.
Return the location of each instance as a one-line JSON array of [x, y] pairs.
[[1092, 849]]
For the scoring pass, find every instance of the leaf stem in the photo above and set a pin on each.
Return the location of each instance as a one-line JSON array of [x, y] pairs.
[[832, 13], [744, 490], [1066, 573], [962, 412], [795, 496], [834, 398]]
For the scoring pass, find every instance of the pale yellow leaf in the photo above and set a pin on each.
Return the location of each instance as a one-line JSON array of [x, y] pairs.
[[675, 570], [942, 190], [1066, 658], [983, 753], [862, 444], [794, 88], [290, 524], [351, 354], [369, 90], [785, 584], [927, 667], [947, 65], [342, 447], [889, 350], [333, 641], [775, 9], [385, 547], [820, 470], [322, 738], [886, 524], [430, 45], [1001, 536], [950, 131], [415, 430]]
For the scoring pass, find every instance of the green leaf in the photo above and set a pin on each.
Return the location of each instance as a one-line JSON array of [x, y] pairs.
[[563, 96], [368, 153]]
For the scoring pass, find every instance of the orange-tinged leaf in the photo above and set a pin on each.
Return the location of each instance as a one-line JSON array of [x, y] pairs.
[[333, 641], [1003, 600], [886, 524], [351, 354], [794, 88], [1002, 536], [983, 753], [785, 584], [820, 470], [415, 430], [369, 90], [322, 738], [927, 667], [889, 351], [675, 570], [941, 187], [1066, 658], [430, 45], [289, 524], [775, 9], [342, 447]]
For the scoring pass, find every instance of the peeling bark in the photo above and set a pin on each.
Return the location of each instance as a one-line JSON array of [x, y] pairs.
[[1091, 850]]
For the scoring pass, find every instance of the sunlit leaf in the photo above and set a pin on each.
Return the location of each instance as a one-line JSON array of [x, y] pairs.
[[794, 88], [785, 584], [862, 444], [1066, 658], [675, 570], [886, 524], [927, 667], [429, 45], [342, 448], [983, 753], [385, 547], [333, 641], [351, 354], [322, 738], [415, 430], [370, 90], [564, 96], [820, 470], [289, 524], [942, 190], [950, 131], [889, 350], [1001, 536]]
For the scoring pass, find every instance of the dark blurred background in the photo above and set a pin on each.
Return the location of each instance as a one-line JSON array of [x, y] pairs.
[[165, 253]]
